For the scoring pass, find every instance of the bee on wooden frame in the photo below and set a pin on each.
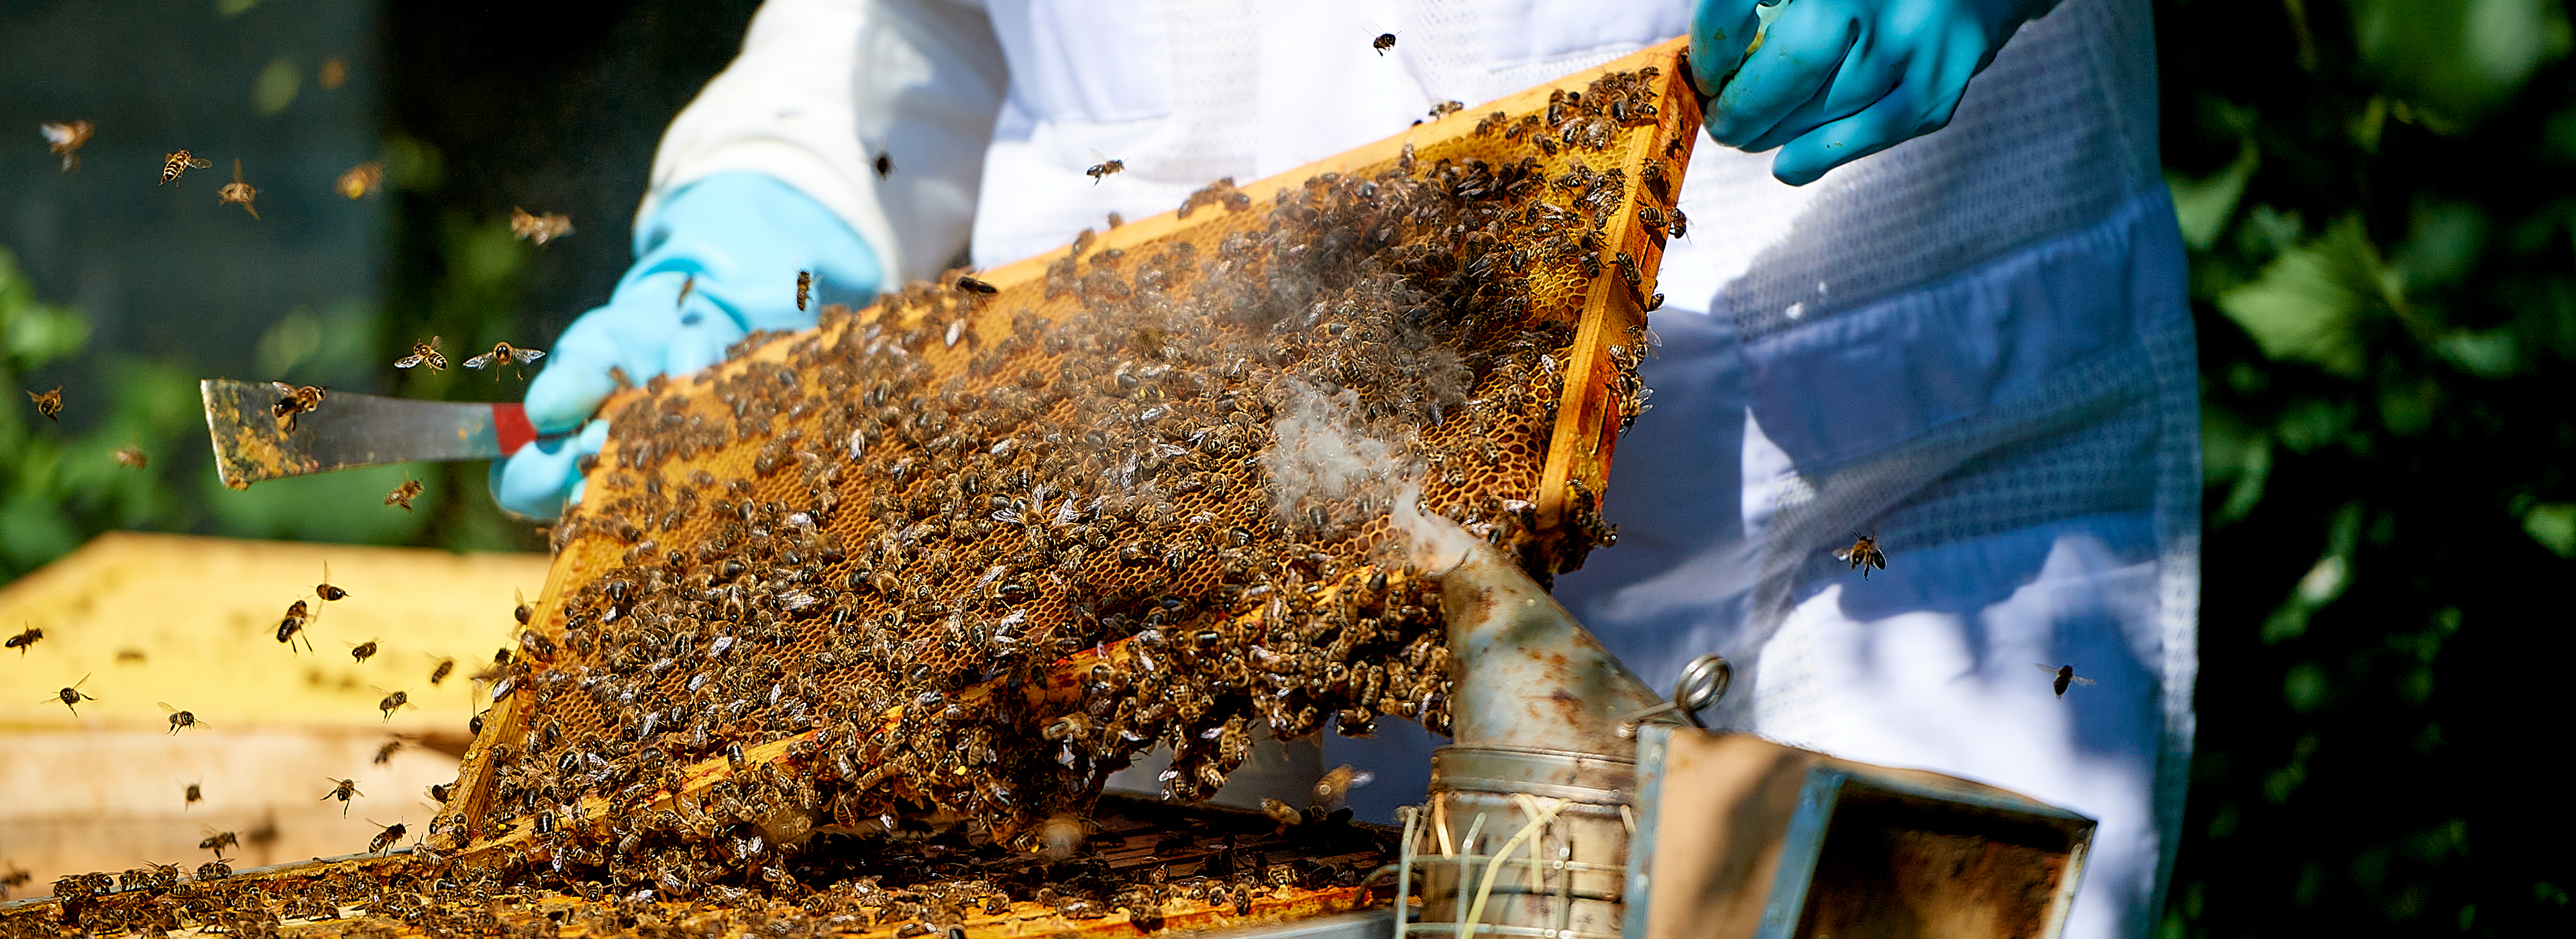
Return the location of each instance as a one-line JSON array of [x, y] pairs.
[[971, 285], [181, 720], [538, 228], [293, 401], [424, 353], [504, 354], [238, 192], [179, 163], [1863, 554], [49, 404], [65, 139]]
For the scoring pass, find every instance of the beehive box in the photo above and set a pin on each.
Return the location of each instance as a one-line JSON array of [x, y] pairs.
[[969, 550]]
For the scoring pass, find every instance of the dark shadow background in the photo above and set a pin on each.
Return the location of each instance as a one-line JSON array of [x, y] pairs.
[[2380, 197]]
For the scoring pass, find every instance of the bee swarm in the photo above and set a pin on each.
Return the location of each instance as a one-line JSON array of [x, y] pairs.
[[967, 553]]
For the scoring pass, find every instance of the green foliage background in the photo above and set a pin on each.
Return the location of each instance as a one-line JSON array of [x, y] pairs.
[[2378, 199]]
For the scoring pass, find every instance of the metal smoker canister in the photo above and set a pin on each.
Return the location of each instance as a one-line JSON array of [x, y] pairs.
[[1527, 829]]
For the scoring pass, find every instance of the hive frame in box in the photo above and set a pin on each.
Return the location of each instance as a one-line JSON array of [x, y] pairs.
[[1575, 471]]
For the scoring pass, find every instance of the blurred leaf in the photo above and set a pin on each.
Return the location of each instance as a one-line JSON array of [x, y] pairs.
[[2553, 524], [2204, 206], [2488, 354], [2443, 244], [290, 340], [232, 8], [276, 86], [345, 507], [2457, 59], [2310, 302], [32, 332]]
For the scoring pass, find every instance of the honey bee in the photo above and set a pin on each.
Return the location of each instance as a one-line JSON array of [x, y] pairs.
[[1681, 223], [1336, 786], [238, 192], [1863, 554], [1446, 108], [2065, 676], [440, 673], [293, 401], [130, 457], [196, 794], [25, 640], [385, 754], [438, 792], [505, 354], [72, 695], [361, 180], [217, 841], [181, 720], [390, 836], [297, 614], [1286, 815], [342, 789], [179, 163], [325, 590], [393, 702], [424, 353], [403, 494], [971, 285], [804, 288], [884, 164], [538, 228], [1383, 42], [65, 140], [522, 610], [1103, 169], [363, 651], [49, 404]]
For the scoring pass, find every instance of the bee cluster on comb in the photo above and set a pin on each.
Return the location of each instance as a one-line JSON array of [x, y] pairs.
[[974, 548]]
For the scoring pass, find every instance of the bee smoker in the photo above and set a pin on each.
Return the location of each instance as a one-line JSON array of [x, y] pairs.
[[1527, 828], [1577, 804]]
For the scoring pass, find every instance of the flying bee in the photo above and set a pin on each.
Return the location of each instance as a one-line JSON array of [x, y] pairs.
[[335, 72], [385, 754], [390, 836], [363, 651], [1103, 169], [403, 494], [538, 228], [1336, 786], [325, 590], [179, 163], [393, 702], [217, 841], [297, 614], [804, 288], [65, 140], [181, 720], [196, 794], [1863, 554], [2065, 676], [238, 192], [25, 640], [521, 611], [130, 457], [361, 179], [341, 790], [884, 164], [1286, 815], [1681, 223], [504, 354], [49, 404], [72, 695], [293, 401], [440, 673], [424, 353], [971, 285]]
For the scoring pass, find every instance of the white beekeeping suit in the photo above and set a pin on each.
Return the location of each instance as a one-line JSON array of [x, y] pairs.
[[1974, 346]]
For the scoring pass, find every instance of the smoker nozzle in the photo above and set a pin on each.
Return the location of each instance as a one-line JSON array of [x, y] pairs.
[[1526, 675]]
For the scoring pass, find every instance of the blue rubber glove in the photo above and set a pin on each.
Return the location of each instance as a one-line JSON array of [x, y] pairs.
[[735, 242], [1837, 80]]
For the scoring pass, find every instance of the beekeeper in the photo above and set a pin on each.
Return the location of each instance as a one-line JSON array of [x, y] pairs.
[[1973, 346]]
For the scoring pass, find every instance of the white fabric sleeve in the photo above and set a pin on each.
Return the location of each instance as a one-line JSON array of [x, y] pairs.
[[822, 87]]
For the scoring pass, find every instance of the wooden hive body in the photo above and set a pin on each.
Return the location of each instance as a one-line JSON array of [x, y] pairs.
[[967, 551]]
